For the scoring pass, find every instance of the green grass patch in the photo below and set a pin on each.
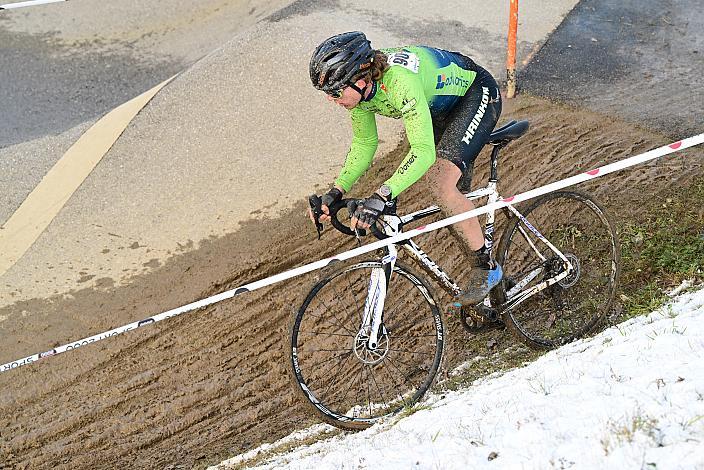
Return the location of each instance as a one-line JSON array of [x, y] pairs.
[[409, 410], [489, 362], [626, 430], [662, 249]]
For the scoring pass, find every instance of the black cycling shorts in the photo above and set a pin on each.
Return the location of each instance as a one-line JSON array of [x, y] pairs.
[[463, 132]]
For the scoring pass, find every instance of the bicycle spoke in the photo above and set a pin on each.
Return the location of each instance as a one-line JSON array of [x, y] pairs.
[[339, 367], [376, 384], [388, 371], [318, 364], [324, 333], [369, 392], [351, 332], [429, 335], [404, 376], [358, 389], [335, 315], [399, 397], [341, 400], [345, 354], [428, 353], [404, 363], [352, 384], [391, 314], [327, 350], [580, 231], [338, 371], [358, 309], [337, 298]]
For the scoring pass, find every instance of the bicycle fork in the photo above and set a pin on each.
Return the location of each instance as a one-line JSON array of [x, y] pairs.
[[372, 319]]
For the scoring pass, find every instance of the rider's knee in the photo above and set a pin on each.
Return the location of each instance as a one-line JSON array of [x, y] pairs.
[[443, 175]]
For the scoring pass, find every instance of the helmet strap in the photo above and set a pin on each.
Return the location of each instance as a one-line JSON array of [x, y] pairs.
[[357, 89]]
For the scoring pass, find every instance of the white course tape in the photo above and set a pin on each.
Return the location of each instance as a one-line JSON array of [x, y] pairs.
[[588, 175], [31, 3]]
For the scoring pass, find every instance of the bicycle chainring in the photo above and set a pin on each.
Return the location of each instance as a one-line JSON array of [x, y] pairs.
[[474, 321]]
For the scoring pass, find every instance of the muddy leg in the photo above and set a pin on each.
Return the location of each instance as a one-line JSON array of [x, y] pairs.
[[441, 180]]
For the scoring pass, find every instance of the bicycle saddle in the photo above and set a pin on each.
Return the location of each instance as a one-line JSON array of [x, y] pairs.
[[508, 132]]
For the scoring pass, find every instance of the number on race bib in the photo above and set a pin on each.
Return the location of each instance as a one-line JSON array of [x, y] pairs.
[[405, 59]]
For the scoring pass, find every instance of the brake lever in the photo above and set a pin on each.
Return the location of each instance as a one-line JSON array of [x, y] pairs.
[[358, 234], [316, 207]]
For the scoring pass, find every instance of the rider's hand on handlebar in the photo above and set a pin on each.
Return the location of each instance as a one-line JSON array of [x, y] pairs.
[[368, 212], [323, 217], [327, 200]]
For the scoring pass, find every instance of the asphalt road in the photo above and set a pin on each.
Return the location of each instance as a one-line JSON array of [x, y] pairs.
[[67, 63], [48, 88], [641, 60]]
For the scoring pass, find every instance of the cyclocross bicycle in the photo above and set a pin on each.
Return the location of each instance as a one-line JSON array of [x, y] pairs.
[[368, 339]]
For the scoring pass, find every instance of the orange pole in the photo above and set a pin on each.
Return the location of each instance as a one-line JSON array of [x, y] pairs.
[[511, 56]]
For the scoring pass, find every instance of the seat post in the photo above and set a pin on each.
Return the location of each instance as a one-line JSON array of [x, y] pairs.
[[494, 175]]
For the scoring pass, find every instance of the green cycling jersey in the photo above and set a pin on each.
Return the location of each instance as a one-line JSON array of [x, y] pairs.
[[422, 83]]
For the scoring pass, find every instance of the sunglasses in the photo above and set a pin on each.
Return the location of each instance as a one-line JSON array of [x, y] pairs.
[[338, 93], [335, 93]]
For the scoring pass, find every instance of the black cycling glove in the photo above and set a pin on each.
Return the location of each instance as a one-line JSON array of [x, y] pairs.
[[331, 197], [370, 210]]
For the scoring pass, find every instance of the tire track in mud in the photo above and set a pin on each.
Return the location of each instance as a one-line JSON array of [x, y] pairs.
[[213, 383]]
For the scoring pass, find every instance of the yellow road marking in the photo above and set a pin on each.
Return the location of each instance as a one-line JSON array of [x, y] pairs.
[[46, 200]]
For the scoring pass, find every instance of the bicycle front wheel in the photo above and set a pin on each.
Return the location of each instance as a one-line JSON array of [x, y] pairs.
[[579, 228], [348, 383]]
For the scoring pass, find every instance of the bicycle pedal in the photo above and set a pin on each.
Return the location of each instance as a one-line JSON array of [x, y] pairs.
[[476, 327], [475, 320], [490, 314]]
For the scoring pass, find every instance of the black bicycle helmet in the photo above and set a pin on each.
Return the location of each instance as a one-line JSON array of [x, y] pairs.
[[340, 60]]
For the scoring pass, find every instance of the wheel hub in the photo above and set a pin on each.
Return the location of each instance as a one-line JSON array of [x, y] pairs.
[[369, 355]]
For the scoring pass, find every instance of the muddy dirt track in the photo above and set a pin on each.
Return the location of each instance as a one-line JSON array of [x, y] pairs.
[[207, 385]]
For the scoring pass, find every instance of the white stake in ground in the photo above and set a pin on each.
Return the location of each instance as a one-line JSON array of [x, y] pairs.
[[588, 175]]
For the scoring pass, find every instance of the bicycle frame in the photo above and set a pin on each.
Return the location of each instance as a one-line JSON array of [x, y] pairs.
[[393, 224]]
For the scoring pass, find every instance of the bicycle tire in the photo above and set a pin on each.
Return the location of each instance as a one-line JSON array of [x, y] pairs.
[[328, 362], [574, 306]]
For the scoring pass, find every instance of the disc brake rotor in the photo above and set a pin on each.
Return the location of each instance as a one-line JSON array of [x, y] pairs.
[[572, 278], [368, 355]]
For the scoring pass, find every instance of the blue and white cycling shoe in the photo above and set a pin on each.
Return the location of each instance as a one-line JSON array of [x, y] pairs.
[[481, 281]]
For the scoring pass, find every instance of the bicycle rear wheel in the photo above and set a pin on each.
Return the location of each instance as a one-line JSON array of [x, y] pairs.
[[348, 384], [576, 225]]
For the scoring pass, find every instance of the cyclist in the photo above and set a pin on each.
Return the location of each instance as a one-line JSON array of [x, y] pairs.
[[445, 100]]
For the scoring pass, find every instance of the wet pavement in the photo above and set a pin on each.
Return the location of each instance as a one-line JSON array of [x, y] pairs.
[[641, 60], [47, 88]]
